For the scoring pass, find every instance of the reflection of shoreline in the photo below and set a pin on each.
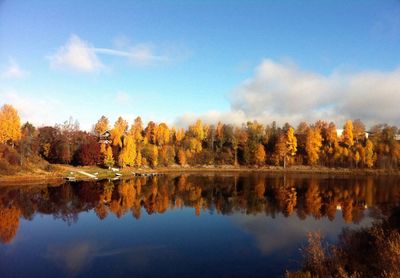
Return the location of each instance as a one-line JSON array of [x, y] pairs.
[[43, 179], [222, 194]]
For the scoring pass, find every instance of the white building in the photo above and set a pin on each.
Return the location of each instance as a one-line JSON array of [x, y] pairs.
[[339, 133]]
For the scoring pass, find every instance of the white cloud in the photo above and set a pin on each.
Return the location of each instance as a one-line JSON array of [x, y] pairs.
[[76, 55], [81, 56], [286, 93], [13, 70], [291, 231]]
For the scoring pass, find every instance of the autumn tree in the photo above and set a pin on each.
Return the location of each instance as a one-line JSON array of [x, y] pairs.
[[163, 135], [127, 157], [136, 130], [197, 130], [291, 143], [29, 143], [10, 125], [369, 157], [347, 135], [280, 150], [151, 133], [181, 157], [139, 158], [256, 132], [331, 135], [259, 154], [179, 135], [154, 156], [358, 131], [285, 146], [313, 145], [330, 143], [120, 128], [102, 125], [219, 134], [47, 137], [108, 158], [88, 153], [195, 145]]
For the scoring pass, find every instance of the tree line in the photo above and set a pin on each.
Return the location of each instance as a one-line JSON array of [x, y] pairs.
[[153, 145]]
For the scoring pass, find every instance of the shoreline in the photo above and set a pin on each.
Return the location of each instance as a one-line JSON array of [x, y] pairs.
[[65, 171]]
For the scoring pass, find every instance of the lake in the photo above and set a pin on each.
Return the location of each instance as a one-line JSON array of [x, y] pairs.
[[192, 225]]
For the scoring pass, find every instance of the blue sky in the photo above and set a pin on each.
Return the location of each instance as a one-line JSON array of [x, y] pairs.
[[175, 61]]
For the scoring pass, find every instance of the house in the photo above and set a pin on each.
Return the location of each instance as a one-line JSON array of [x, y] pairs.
[[105, 138], [339, 133]]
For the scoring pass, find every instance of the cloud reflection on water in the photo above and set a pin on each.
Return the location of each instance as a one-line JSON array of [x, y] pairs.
[[282, 233]]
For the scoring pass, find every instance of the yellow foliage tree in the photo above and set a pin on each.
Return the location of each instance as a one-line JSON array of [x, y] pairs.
[[259, 154], [139, 159], [163, 134], [127, 157], [179, 135], [197, 130], [103, 149], [154, 156], [151, 133], [108, 158], [118, 131], [136, 130], [369, 157], [313, 145], [195, 145], [102, 125], [291, 143], [10, 124], [331, 135], [357, 158], [347, 135]]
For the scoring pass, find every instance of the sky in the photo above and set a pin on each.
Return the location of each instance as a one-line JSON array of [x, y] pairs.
[[176, 61]]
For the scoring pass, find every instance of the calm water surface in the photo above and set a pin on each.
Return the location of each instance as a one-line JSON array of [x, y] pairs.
[[249, 225]]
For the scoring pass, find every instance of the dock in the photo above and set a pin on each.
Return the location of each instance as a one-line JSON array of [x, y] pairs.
[[147, 174]]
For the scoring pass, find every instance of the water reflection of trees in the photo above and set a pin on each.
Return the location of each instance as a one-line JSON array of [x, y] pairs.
[[249, 194]]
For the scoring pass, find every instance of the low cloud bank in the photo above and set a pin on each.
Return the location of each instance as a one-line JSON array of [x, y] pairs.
[[286, 93]]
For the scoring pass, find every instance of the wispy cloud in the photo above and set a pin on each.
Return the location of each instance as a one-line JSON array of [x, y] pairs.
[[286, 93], [37, 110], [13, 70], [140, 54], [122, 98], [81, 56]]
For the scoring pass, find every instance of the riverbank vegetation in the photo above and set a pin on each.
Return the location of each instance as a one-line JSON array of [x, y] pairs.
[[364, 252], [26, 148]]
